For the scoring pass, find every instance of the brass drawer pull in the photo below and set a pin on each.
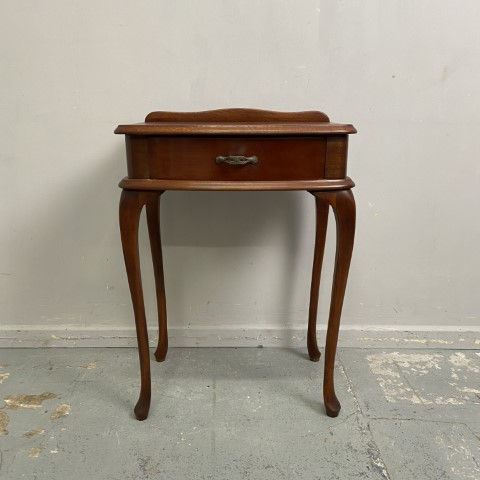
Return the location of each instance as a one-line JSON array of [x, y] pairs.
[[237, 160]]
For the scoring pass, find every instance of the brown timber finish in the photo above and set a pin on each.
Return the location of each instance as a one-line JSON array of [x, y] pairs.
[[238, 150]]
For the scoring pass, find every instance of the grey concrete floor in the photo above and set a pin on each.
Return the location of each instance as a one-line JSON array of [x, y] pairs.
[[225, 413]]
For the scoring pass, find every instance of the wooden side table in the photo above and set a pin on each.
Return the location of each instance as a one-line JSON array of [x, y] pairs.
[[237, 149]]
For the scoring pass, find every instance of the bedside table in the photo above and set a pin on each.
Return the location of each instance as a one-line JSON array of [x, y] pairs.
[[237, 149]]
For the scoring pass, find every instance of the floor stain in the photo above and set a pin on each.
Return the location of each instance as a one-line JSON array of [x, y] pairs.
[[4, 376], [36, 451], [460, 360], [422, 341], [386, 367], [27, 401], [393, 368], [385, 363], [459, 455], [4, 421], [60, 411], [34, 433], [378, 464]]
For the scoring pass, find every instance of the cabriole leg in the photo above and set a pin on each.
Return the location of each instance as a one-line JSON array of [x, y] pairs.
[[343, 204], [321, 232], [131, 204], [153, 221]]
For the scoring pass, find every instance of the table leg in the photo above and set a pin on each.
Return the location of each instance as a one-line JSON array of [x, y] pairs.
[[343, 205], [321, 232], [153, 221], [131, 204]]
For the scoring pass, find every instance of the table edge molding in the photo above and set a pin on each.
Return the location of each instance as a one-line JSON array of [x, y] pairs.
[[225, 128], [214, 185]]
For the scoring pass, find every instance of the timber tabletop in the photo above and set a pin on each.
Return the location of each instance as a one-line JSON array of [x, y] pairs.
[[237, 121]]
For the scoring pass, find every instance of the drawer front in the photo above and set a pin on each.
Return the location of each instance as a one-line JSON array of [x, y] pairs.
[[195, 158]]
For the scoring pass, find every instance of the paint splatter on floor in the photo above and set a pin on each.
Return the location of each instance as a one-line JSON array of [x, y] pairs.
[[36, 451], [459, 455], [460, 360], [397, 372], [34, 433], [387, 363], [60, 411], [4, 421], [422, 341], [27, 401]]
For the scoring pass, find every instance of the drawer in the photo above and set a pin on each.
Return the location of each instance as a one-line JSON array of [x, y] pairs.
[[195, 158]]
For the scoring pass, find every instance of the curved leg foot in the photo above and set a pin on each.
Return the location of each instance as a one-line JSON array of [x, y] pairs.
[[320, 235], [343, 204], [142, 407], [131, 204], [332, 405], [161, 352], [153, 221], [313, 352]]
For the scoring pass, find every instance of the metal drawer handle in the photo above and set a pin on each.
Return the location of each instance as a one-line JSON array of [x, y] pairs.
[[237, 160]]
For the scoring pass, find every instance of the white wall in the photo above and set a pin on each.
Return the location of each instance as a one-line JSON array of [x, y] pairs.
[[405, 73]]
